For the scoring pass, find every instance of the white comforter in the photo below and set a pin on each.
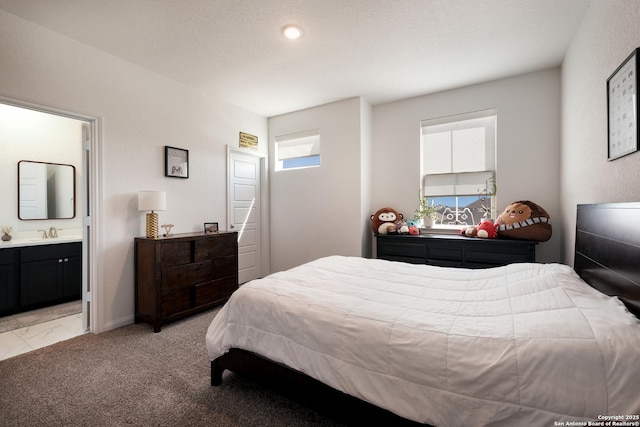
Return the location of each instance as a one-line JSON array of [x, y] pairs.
[[525, 344]]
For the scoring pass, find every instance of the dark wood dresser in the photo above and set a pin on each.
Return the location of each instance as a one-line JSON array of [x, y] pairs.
[[182, 274], [453, 250]]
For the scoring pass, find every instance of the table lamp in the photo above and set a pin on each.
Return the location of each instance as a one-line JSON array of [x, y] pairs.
[[152, 201]]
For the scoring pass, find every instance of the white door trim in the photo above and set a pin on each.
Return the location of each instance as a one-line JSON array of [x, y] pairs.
[[92, 289], [264, 206]]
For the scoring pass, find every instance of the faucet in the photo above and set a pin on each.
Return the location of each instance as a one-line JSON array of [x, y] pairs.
[[53, 232], [44, 233]]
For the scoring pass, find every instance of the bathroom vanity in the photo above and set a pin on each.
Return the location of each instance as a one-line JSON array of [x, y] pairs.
[[39, 273], [38, 266]]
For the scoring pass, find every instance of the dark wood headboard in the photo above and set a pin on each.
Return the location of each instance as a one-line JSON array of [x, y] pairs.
[[607, 251]]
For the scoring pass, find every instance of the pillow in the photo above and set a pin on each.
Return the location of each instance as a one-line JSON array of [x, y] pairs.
[[524, 220]]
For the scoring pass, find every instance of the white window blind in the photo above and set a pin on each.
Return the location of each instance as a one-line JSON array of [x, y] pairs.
[[297, 150], [456, 184], [458, 154]]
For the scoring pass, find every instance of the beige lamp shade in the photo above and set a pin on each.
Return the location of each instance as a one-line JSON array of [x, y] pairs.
[[152, 201]]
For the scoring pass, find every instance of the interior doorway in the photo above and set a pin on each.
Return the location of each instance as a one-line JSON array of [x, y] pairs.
[[245, 182], [54, 136]]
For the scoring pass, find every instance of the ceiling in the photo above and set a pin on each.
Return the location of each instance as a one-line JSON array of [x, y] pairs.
[[382, 50]]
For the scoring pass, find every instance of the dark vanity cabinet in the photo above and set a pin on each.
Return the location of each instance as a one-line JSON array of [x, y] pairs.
[[50, 273], [39, 276], [7, 280]]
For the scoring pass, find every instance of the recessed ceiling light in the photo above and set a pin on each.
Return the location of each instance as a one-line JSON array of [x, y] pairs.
[[292, 32]]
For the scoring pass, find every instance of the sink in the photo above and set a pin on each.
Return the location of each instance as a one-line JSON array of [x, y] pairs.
[[57, 239]]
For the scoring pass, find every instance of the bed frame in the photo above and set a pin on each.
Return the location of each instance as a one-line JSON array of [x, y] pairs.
[[304, 389], [607, 256]]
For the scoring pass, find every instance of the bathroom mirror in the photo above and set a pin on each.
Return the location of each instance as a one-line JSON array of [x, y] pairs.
[[46, 190]]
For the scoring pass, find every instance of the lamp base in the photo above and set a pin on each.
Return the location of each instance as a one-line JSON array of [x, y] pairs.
[[152, 225]]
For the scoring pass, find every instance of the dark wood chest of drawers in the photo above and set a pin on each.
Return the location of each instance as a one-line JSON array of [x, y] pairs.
[[182, 274], [454, 250]]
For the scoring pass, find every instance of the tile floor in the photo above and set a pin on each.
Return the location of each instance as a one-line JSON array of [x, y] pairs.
[[27, 339]]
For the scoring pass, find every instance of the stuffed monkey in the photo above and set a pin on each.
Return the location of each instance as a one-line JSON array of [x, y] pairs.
[[384, 221]]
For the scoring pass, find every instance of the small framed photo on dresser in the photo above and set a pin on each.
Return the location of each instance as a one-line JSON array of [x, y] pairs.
[[210, 227], [622, 108]]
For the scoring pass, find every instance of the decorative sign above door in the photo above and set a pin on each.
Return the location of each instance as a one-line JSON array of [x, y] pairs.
[[248, 141]]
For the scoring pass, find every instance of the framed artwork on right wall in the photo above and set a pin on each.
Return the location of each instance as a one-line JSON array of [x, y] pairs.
[[622, 108]]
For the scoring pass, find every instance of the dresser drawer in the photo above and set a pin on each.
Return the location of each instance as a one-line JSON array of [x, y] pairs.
[[215, 291], [225, 266], [402, 248], [496, 257], [222, 246], [445, 251], [176, 302], [175, 253], [185, 276]]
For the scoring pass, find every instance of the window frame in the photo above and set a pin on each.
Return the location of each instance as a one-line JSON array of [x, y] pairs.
[[302, 150], [484, 118]]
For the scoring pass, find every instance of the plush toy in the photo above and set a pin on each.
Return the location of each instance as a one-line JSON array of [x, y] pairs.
[[524, 220], [484, 230], [487, 230], [413, 227], [384, 221], [471, 231], [403, 228]]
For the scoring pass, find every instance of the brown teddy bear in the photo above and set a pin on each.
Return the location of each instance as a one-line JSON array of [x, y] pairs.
[[524, 220], [384, 221]]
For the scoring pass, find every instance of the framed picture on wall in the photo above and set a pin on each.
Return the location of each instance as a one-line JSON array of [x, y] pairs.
[[176, 162], [622, 108]]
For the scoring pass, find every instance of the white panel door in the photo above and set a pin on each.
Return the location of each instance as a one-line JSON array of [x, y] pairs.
[[244, 212]]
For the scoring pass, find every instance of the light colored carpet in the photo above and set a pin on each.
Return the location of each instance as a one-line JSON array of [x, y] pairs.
[[131, 376], [41, 315]]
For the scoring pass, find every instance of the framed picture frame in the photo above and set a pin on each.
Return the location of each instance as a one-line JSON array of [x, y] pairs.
[[211, 227], [622, 108], [176, 162]]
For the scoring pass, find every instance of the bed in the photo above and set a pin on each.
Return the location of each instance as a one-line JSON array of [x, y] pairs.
[[523, 344]]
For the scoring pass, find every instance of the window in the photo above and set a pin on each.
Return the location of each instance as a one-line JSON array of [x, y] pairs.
[[458, 167], [299, 150]]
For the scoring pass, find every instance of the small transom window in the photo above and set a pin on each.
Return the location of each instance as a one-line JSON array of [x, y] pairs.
[[299, 150]]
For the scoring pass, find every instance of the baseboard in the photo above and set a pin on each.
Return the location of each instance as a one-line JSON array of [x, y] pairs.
[[118, 323]]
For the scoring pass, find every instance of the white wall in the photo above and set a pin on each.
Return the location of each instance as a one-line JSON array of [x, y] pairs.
[[31, 135], [609, 32], [528, 145], [140, 112], [366, 175], [318, 211]]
